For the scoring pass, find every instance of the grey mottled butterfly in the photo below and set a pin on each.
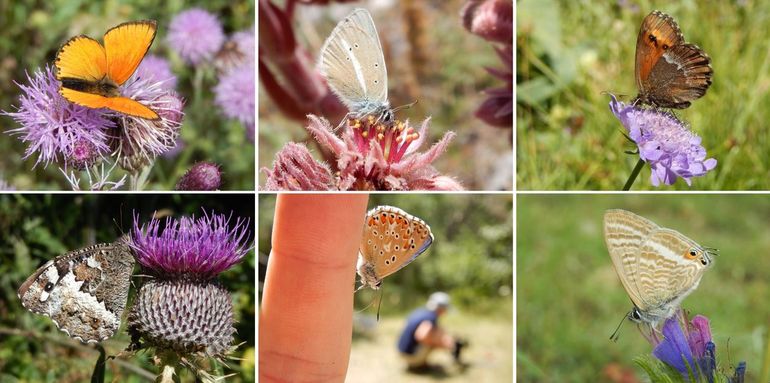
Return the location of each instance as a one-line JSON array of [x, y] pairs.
[[84, 291], [354, 66], [658, 267], [392, 239]]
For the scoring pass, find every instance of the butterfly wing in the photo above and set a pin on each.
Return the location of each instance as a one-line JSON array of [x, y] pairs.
[[670, 267], [123, 105], [657, 34], [84, 292], [125, 46], [624, 233], [352, 61], [81, 58], [393, 239], [683, 75]]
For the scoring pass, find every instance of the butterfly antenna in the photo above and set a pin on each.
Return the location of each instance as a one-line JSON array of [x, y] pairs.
[[405, 106], [615, 336]]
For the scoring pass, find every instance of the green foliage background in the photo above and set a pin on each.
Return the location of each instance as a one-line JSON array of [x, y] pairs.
[[33, 31], [569, 298], [36, 228], [569, 53]]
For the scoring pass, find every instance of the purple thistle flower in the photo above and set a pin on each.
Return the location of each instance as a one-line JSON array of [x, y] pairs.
[[55, 128], [190, 248], [235, 94], [239, 50], [664, 142], [201, 176], [138, 141], [196, 35], [674, 349], [370, 156], [157, 69]]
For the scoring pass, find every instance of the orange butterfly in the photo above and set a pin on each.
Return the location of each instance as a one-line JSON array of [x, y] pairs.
[[90, 73]]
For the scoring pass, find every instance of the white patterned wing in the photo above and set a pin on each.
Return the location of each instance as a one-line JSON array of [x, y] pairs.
[[353, 63], [669, 268], [624, 233]]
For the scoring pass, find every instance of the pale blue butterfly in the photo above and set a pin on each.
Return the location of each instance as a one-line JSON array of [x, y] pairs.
[[354, 67], [392, 239]]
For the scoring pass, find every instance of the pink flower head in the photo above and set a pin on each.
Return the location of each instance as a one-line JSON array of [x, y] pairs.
[[372, 156]]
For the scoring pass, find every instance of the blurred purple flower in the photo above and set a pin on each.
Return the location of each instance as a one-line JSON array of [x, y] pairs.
[[157, 69], [196, 35], [664, 142], [235, 94], [370, 156], [492, 20], [190, 248], [137, 140], [201, 176], [5, 185], [55, 128], [740, 373], [239, 50]]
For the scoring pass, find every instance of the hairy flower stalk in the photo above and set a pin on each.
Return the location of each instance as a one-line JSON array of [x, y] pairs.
[[181, 310]]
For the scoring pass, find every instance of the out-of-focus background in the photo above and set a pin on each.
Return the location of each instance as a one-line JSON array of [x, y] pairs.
[[32, 33], [570, 53], [36, 228], [470, 259], [432, 59], [569, 298]]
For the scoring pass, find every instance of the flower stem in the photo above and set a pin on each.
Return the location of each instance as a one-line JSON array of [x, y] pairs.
[[634, 174]]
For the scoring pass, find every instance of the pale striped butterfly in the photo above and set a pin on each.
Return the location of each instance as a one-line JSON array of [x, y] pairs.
[[658, 267], [392, 239], [353, 64]]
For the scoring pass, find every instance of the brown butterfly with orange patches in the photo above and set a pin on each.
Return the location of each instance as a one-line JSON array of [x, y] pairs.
[[669, 72]]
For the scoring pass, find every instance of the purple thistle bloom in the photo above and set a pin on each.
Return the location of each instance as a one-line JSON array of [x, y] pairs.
[[674, 349], [56, 128], [188, 247], [157, 69], [235, 94], [196, 35], [138, 141], [239, 50], [664, 142]]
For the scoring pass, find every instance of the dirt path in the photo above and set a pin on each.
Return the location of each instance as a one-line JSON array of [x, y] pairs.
[[374, 358]]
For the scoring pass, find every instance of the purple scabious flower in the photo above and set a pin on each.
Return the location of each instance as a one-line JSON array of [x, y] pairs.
[[369, 156], [664, 142], [196, 35], [157, 69], [201, 176], [56, 129], [200, 248], [137, 140], [235, 94]]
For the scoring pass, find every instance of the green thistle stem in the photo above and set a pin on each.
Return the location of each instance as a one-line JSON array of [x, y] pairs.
[[634, 174]]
